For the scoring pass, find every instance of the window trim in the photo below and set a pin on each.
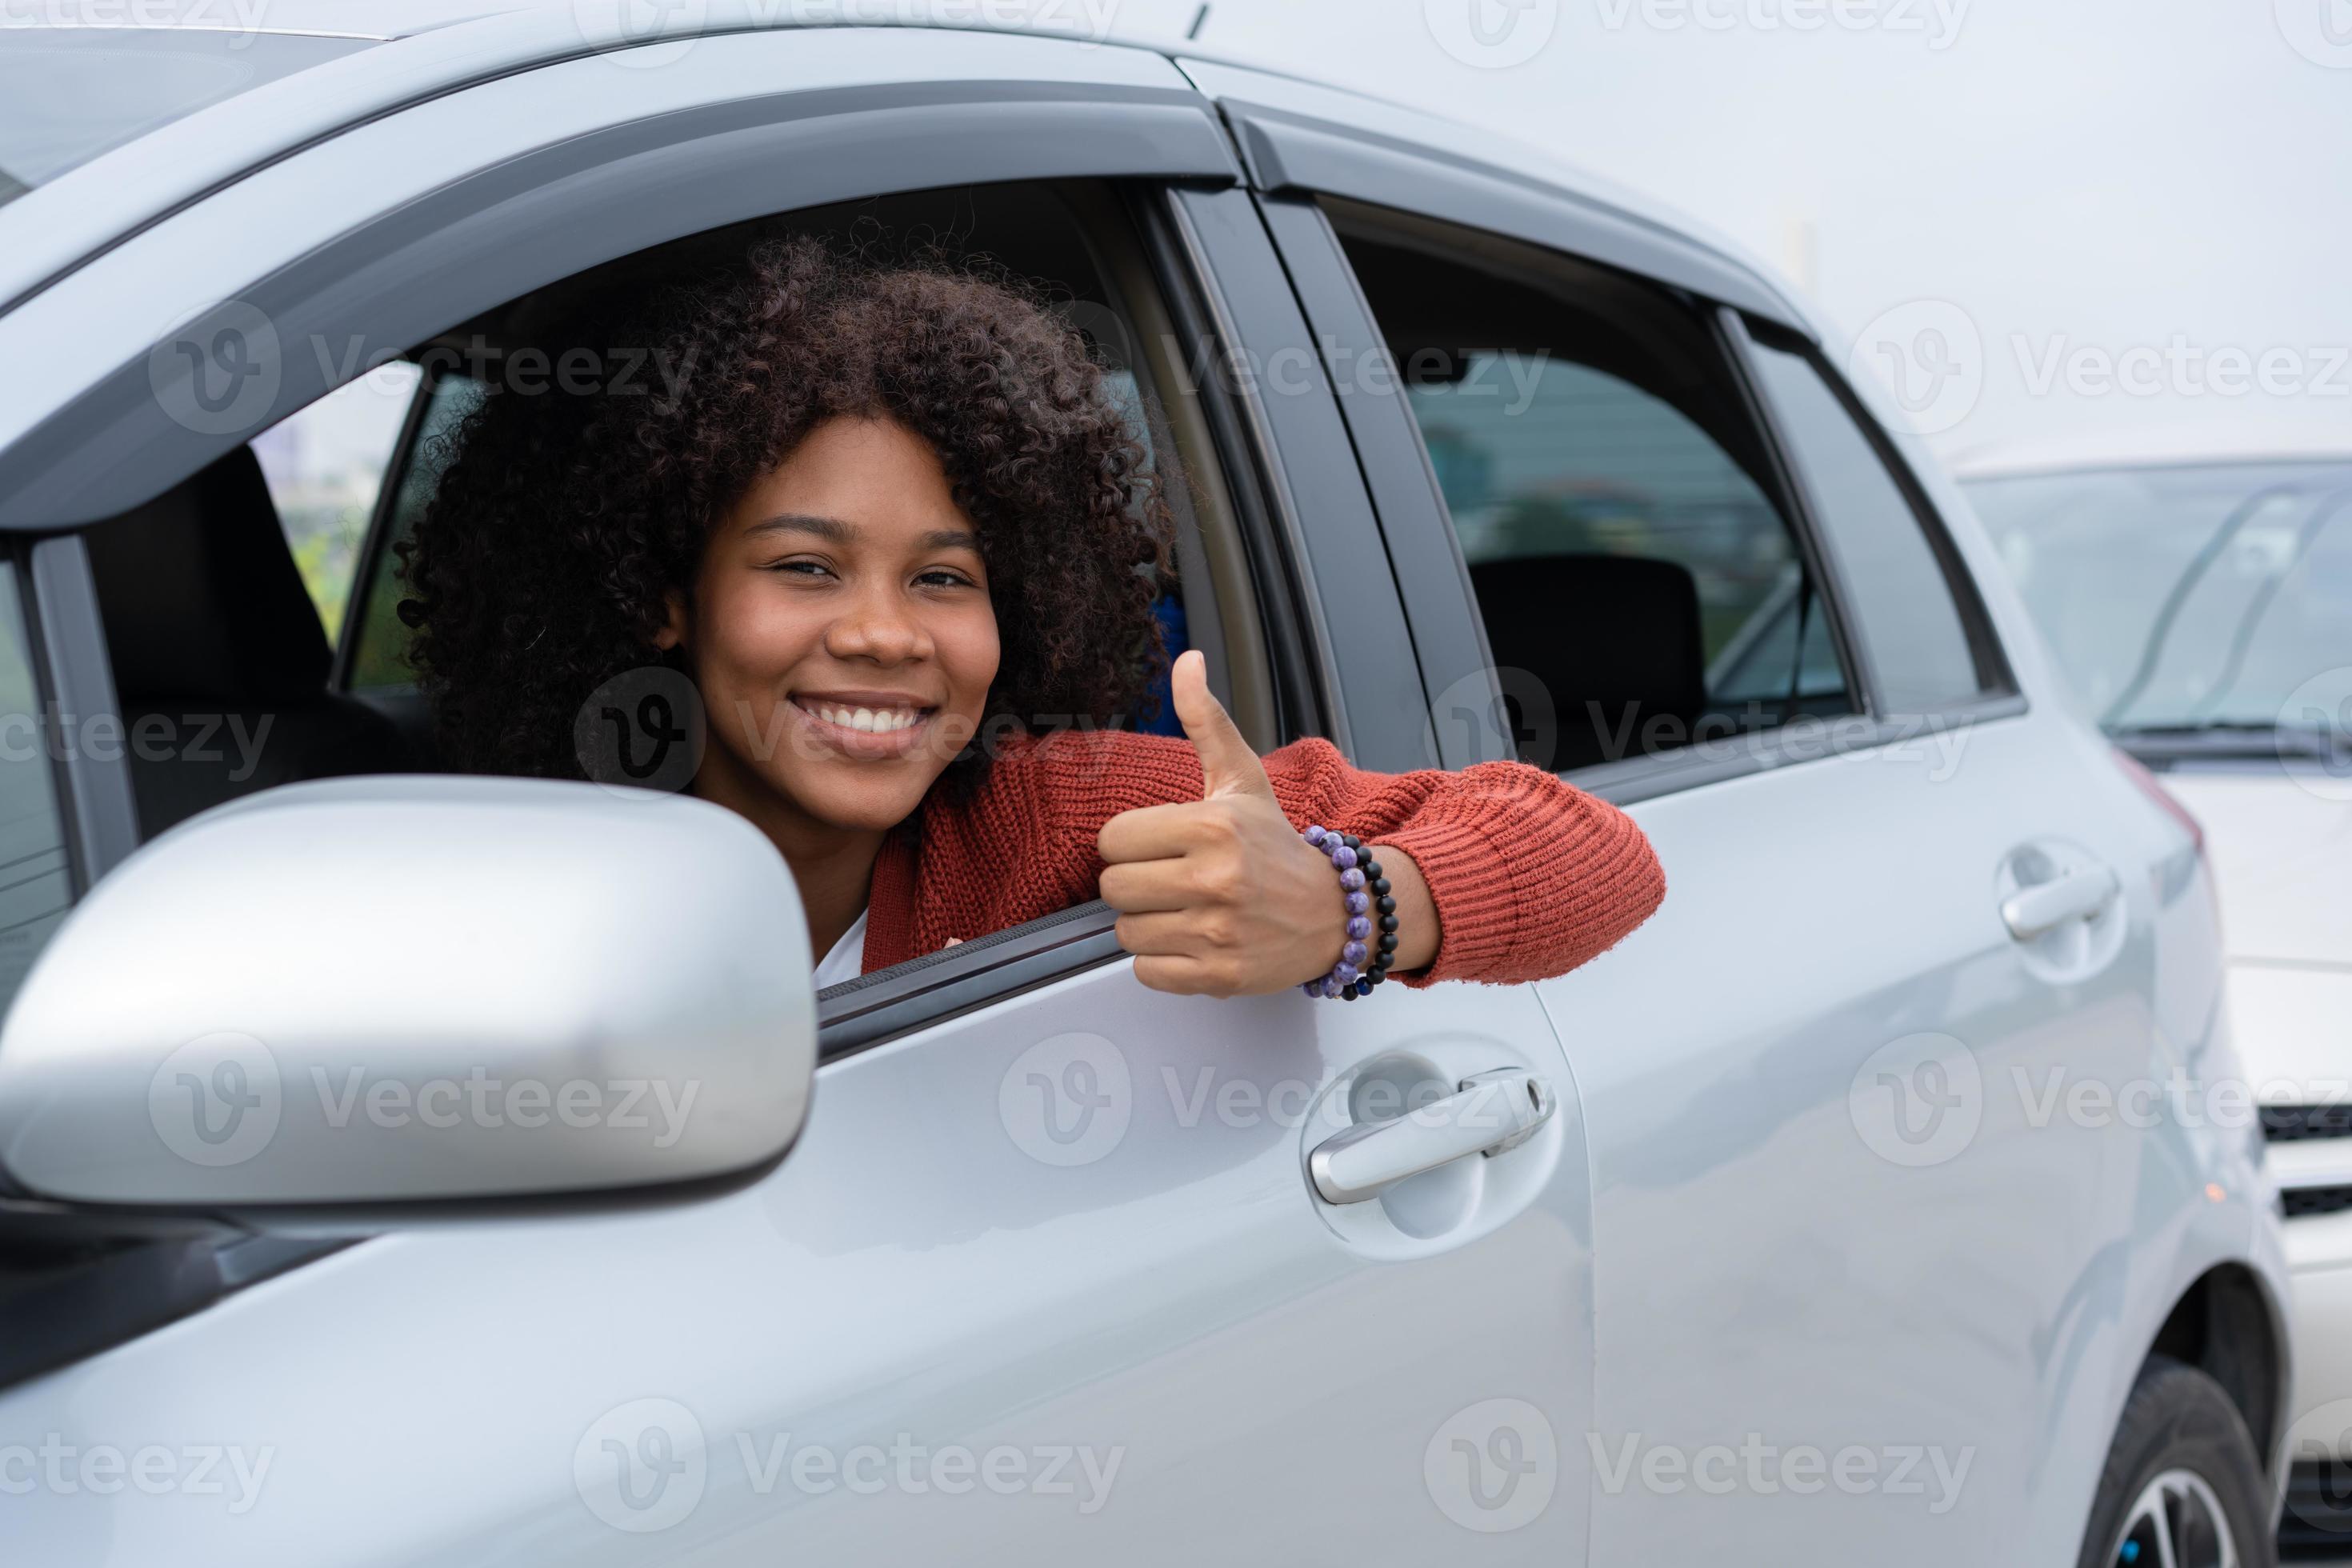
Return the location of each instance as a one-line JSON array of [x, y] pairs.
[[935, 987], [1670, 773], [1298, 651], [1422, 549], [1996, 680], [1803, 511], [1329, 540], [70, 660], [1286, 150]]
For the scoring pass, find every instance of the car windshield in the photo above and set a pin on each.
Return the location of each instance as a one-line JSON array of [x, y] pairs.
[[2211, 597], [68, 94]]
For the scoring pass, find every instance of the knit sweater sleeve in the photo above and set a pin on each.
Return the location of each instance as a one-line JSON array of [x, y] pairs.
[[1531, 877]]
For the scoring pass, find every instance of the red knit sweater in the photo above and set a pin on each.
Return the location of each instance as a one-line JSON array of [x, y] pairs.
[[1530, 877]]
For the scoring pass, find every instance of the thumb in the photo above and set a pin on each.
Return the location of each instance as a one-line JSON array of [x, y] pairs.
[[1228, 766]]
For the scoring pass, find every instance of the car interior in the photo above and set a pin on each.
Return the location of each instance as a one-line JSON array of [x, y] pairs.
[[207, 620]]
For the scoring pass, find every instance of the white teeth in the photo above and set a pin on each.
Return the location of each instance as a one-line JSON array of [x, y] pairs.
[[869, 721]]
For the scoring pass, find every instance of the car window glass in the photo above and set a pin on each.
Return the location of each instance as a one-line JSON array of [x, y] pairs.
[[1641, 585], [1918, 644], [35, 883], [325, 465], [379, 638]]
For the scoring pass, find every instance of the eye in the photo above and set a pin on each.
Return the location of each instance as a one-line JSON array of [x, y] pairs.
[[944, 577], [799, 566]]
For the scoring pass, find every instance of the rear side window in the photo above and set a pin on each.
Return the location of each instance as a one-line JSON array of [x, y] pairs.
[[1917, 642], [1641, 587], [35, 885]]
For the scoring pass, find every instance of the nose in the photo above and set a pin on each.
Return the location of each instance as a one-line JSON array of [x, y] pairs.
[[878, 626]]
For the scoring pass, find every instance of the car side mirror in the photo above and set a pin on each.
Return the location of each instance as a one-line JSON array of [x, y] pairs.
[[415, 995]]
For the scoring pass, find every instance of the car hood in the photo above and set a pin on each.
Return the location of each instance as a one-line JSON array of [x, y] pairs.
[[2281, 854]]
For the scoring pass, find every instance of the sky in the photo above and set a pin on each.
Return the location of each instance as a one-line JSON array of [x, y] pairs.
[[2163, 187]]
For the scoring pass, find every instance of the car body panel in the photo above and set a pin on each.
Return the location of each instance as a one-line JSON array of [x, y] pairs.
[[2280, 839], [1159, 1288], [1771, 1261]]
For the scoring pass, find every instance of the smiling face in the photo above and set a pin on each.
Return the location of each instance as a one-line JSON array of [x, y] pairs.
[[841, 634]]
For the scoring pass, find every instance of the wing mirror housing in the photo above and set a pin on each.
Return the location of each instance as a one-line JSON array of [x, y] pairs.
[[416, 996]]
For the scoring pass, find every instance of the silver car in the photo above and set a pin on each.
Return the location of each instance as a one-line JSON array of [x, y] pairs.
[[401, 1168]]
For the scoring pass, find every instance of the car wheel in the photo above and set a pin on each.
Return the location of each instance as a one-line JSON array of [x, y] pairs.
[[2182, 1487]]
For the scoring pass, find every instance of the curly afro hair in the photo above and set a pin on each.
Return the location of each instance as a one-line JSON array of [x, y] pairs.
[[541, 566]]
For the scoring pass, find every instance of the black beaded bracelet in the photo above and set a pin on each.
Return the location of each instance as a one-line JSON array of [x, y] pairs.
[[1364, 961]]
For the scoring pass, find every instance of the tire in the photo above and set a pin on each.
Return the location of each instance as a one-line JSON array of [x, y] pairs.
[[2180, 1430]]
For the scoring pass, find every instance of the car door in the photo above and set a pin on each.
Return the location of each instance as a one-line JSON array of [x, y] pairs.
[[1046, 1275], [1858, 1273]]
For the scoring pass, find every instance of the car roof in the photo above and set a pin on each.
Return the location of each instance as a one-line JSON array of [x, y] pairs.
[[465, 41]]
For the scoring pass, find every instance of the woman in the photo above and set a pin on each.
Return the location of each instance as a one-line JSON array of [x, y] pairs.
[[886, 520]]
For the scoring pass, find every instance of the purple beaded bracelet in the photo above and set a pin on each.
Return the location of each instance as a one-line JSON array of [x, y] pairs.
[[1370, 907]]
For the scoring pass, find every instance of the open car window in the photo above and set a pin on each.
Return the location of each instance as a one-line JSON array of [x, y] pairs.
[[1092, 246]]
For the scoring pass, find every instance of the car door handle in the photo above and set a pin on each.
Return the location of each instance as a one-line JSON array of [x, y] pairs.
[[1489, 1113], [2076, 895]]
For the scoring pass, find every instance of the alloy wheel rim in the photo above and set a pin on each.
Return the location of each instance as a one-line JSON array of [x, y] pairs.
[[2176, 1522]]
